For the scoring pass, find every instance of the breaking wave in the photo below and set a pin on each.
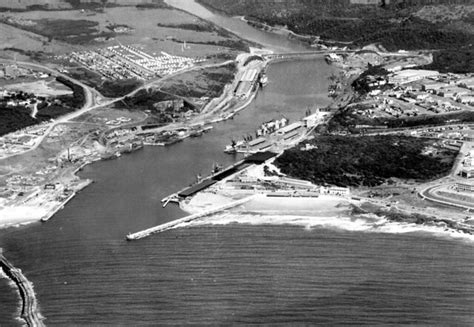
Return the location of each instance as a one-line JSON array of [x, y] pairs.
[[367, 223]]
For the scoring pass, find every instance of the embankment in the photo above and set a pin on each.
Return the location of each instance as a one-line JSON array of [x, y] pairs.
[[29, 312]]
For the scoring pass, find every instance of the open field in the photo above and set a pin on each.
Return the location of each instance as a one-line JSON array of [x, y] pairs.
[[90, 30], [202, 83], [41, 88]]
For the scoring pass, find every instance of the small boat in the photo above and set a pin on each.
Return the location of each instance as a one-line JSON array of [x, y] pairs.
[[263, 80], [216, 168]]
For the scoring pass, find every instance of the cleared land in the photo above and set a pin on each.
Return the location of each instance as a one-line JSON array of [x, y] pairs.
[[208, 82], [155, 30]]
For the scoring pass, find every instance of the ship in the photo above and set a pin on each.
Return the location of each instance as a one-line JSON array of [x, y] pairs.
[[263, 80], [264, 129], [232, 148], [216, 168]]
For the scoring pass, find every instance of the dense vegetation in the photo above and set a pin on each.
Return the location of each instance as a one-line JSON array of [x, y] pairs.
[[361, 84], [108, 88], [347, 120], [71, 31], [16, 117], [239, 45], [113, 89], [145, 99], [453, 61], [78, 97], [190, 26], [366, 160], [206, 83], [149, 100], [395, 26]]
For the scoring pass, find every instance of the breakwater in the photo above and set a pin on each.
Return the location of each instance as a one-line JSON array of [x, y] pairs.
[[29, 311], [187, 219]]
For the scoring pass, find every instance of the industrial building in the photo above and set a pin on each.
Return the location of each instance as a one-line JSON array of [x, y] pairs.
[[412, 75], [290, 128], [246, 84], [463, 187]]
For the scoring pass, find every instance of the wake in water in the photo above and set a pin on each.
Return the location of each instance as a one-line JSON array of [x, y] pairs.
[[364, 223]]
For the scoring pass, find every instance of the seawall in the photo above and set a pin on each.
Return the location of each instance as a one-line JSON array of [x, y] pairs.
[[29, 311]]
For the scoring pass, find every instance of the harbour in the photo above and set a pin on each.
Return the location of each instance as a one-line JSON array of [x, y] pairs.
[[126, 197], [325, 267], [187, 219]]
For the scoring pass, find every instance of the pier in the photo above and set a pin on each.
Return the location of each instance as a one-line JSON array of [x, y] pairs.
[[29, 311], [256, 158], [187, 219]]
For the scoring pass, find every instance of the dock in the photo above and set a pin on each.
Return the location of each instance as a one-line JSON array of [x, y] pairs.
[[256, 158], [187, 219]]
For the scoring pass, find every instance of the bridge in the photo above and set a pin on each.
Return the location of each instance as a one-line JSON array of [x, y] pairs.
[[303, 54]]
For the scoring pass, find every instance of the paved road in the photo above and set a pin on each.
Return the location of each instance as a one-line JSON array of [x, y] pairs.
[[92, 96], [429, 194]]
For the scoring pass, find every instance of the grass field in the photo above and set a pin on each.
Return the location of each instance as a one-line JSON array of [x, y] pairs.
[[81, 30]]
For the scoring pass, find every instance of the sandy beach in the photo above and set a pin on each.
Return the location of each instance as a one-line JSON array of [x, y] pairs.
[[37, 209]]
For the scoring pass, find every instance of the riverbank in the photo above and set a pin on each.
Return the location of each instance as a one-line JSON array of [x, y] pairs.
[[43, 207], [281, 30], [29, 312]]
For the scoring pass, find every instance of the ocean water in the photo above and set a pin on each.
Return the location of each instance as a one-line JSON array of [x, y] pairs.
[[229, 271], [258, 274]]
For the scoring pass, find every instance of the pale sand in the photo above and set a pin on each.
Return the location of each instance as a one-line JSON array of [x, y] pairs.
[[323, 205], [203, 201], [20, 215]]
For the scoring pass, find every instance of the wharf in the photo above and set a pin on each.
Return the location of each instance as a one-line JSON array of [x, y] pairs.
[[256, 158], [187, 219]]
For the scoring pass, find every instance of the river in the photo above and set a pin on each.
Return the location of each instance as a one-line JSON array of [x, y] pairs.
[[275, 42], [85, 273]]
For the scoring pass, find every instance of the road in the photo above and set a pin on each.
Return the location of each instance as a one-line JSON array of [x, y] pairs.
[[429, 193], [92, 96]]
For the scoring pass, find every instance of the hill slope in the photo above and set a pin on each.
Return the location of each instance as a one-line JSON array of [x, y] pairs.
[[407, 24]]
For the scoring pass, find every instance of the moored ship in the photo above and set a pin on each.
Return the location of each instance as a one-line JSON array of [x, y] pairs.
[[264, 129]]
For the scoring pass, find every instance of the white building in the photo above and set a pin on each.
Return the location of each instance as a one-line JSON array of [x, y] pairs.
[[412, 75], [313, 119]]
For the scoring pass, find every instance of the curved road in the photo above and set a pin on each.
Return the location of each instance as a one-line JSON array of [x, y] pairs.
[[430, 195], [92, 95]]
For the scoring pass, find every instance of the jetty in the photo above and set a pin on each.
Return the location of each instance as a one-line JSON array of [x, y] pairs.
[[29, 311], [254, 159], [187, 219]]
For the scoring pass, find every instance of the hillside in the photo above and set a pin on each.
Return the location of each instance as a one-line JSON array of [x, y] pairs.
[[366, 160], [408, 24]]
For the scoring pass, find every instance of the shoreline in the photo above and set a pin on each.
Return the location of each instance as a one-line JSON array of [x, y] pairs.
[[18, 222], [30, 312], [326, 211], [29, 218]]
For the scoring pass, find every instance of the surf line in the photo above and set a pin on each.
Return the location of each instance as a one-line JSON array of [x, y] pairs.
[[29, 311]]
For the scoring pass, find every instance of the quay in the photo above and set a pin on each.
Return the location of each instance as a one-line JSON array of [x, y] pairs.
[[187, 219], [256, 158], [29, 311]]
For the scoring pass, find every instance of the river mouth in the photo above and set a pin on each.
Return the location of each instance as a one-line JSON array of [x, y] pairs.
[[85, 273], [81, 253]]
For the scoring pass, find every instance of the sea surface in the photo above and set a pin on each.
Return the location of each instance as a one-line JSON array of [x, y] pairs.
[[280, 273]]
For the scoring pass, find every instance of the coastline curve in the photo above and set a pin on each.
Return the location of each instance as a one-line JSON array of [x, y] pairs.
[[29, 312]]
